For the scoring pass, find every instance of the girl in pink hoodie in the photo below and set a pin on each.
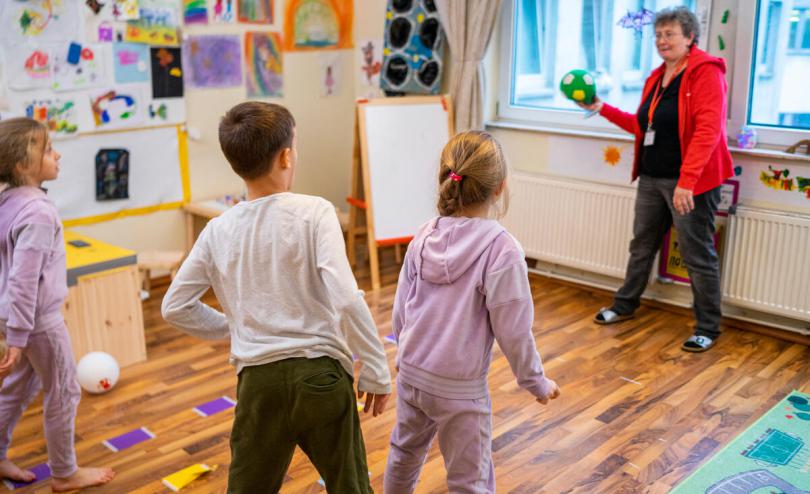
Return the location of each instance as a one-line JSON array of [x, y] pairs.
[[463, 285]]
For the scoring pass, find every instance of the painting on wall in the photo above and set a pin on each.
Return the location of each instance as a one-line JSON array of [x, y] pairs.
[[130, 62], [255, 11], [116, 108], [38, 21], [112, 174], [78, 67], [263, 65], [369, 61], [222, 11], [412, 56], [330, 74], [214, 61], [58, 114], [28, 67], [156, 25], [167, 72], [195, 12], [318, 24]]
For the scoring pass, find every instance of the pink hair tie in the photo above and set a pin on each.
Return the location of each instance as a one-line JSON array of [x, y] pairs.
[[454, 177]]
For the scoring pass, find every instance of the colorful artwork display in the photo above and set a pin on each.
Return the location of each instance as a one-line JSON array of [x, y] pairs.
[[222, 11], [39, 20], [29, 67], [78, 67], [214, 61], [167, 73], [318, 24], [195, 12], [156, 25], [779, 180], [369, 57], [413, 46], [59, 115], [115, 109], [130, 62], [255, 11], [112, 174], [263, 65]]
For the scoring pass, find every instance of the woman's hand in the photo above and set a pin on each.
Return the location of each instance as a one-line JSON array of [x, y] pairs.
[[595, 106], [682, 200]]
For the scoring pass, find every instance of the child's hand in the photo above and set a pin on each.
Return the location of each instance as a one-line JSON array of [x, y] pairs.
[[555, 392], [11, 359], [376, 401]]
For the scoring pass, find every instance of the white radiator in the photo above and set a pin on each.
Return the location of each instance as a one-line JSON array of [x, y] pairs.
[[581, 225], [766, 264]]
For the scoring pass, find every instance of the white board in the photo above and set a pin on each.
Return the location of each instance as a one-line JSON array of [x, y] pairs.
[[155, 175], [404, 138]]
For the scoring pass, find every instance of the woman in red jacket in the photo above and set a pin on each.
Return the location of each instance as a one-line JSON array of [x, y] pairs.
[[681, 158]]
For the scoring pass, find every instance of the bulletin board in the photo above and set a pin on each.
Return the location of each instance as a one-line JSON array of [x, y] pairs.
[[108, 81]]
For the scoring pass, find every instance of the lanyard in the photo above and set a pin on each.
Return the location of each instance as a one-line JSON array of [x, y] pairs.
[[658, 92]]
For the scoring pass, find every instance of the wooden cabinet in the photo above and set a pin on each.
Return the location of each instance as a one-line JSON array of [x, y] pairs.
[[103, 310]]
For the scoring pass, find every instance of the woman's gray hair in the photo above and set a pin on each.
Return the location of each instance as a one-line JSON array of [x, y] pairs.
[[686, 18]]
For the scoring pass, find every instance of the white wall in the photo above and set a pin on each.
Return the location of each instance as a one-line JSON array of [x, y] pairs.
[[325, 132]]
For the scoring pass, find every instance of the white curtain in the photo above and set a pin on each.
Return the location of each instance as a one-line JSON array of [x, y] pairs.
[[468, 25]]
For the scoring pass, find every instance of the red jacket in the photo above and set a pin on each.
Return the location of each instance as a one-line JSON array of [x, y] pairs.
[[705, 159]]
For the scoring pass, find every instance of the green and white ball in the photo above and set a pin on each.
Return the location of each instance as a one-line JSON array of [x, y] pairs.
[[578, 85]]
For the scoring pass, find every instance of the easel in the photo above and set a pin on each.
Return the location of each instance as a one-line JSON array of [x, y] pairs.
[[361, 222]]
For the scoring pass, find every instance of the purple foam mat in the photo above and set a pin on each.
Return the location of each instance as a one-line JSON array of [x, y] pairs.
[[215, 406], [129, 439], [42, 471]]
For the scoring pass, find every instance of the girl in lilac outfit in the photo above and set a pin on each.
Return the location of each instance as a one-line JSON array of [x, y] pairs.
[[32, 291], [463, 285]]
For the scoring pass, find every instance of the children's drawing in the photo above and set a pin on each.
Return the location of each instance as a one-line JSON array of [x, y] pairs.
[[86, 72], [158, 112], [255, 11], [157, 24], [330, 74], [59, 115], [263, 65], [95, 6], [369, 61], [29, 67], [222, 11], [777, 179], [131, 62], [125, 10], [116, 109], [318, 24], [39, 20], [214, 61], [637, 20], [112, 174], [612, 155], [195, 12], [412, 54], [167, 73]]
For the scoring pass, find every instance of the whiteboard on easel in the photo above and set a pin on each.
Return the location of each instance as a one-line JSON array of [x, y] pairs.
[[401, 143]]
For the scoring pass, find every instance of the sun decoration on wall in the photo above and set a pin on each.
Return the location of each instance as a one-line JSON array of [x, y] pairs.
[[318, 25], [612, 155]]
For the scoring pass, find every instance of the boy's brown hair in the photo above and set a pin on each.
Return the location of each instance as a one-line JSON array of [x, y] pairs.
[[252, 134], [471, 169], [22, 146]]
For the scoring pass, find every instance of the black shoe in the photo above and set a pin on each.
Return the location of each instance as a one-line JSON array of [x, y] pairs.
[[697, 343], [610, 316]]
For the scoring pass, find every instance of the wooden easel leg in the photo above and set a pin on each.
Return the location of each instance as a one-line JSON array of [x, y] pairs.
[[189, 231], [351, 235], [398, 253], [374, 264]]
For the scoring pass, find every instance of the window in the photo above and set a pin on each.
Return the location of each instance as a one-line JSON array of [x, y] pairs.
[[551, 37], [780, 67]]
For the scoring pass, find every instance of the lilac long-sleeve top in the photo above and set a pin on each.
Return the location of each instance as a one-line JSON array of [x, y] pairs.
[[463, 285], [33, 284]]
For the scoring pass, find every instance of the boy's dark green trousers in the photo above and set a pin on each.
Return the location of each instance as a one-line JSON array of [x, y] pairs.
[[301, 402]]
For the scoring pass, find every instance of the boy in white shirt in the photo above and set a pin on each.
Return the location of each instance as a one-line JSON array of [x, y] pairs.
[[292, 310]]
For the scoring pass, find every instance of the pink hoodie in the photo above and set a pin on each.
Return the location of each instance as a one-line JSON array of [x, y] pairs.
[[463, 284]]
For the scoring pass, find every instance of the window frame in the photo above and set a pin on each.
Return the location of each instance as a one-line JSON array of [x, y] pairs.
[[740, 70], [742, 88]]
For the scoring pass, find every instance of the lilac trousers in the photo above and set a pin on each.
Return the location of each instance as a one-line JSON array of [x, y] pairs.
[[47, 364], [465, 440]]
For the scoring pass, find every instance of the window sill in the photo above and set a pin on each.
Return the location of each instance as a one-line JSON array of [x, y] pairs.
[[614, 136], [545, 129]]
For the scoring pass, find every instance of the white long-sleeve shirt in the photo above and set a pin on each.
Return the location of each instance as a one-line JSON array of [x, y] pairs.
[[278, 267]]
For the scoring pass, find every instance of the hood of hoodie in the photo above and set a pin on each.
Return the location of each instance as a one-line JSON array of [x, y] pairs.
[[448, 246]]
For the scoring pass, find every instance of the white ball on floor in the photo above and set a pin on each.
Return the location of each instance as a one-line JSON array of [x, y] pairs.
[[97, 372]]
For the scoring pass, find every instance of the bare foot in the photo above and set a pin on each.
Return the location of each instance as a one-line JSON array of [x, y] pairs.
[[11, 471], [84, 477]]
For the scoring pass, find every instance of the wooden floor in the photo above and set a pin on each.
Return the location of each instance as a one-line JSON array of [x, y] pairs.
[[636, 413]]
